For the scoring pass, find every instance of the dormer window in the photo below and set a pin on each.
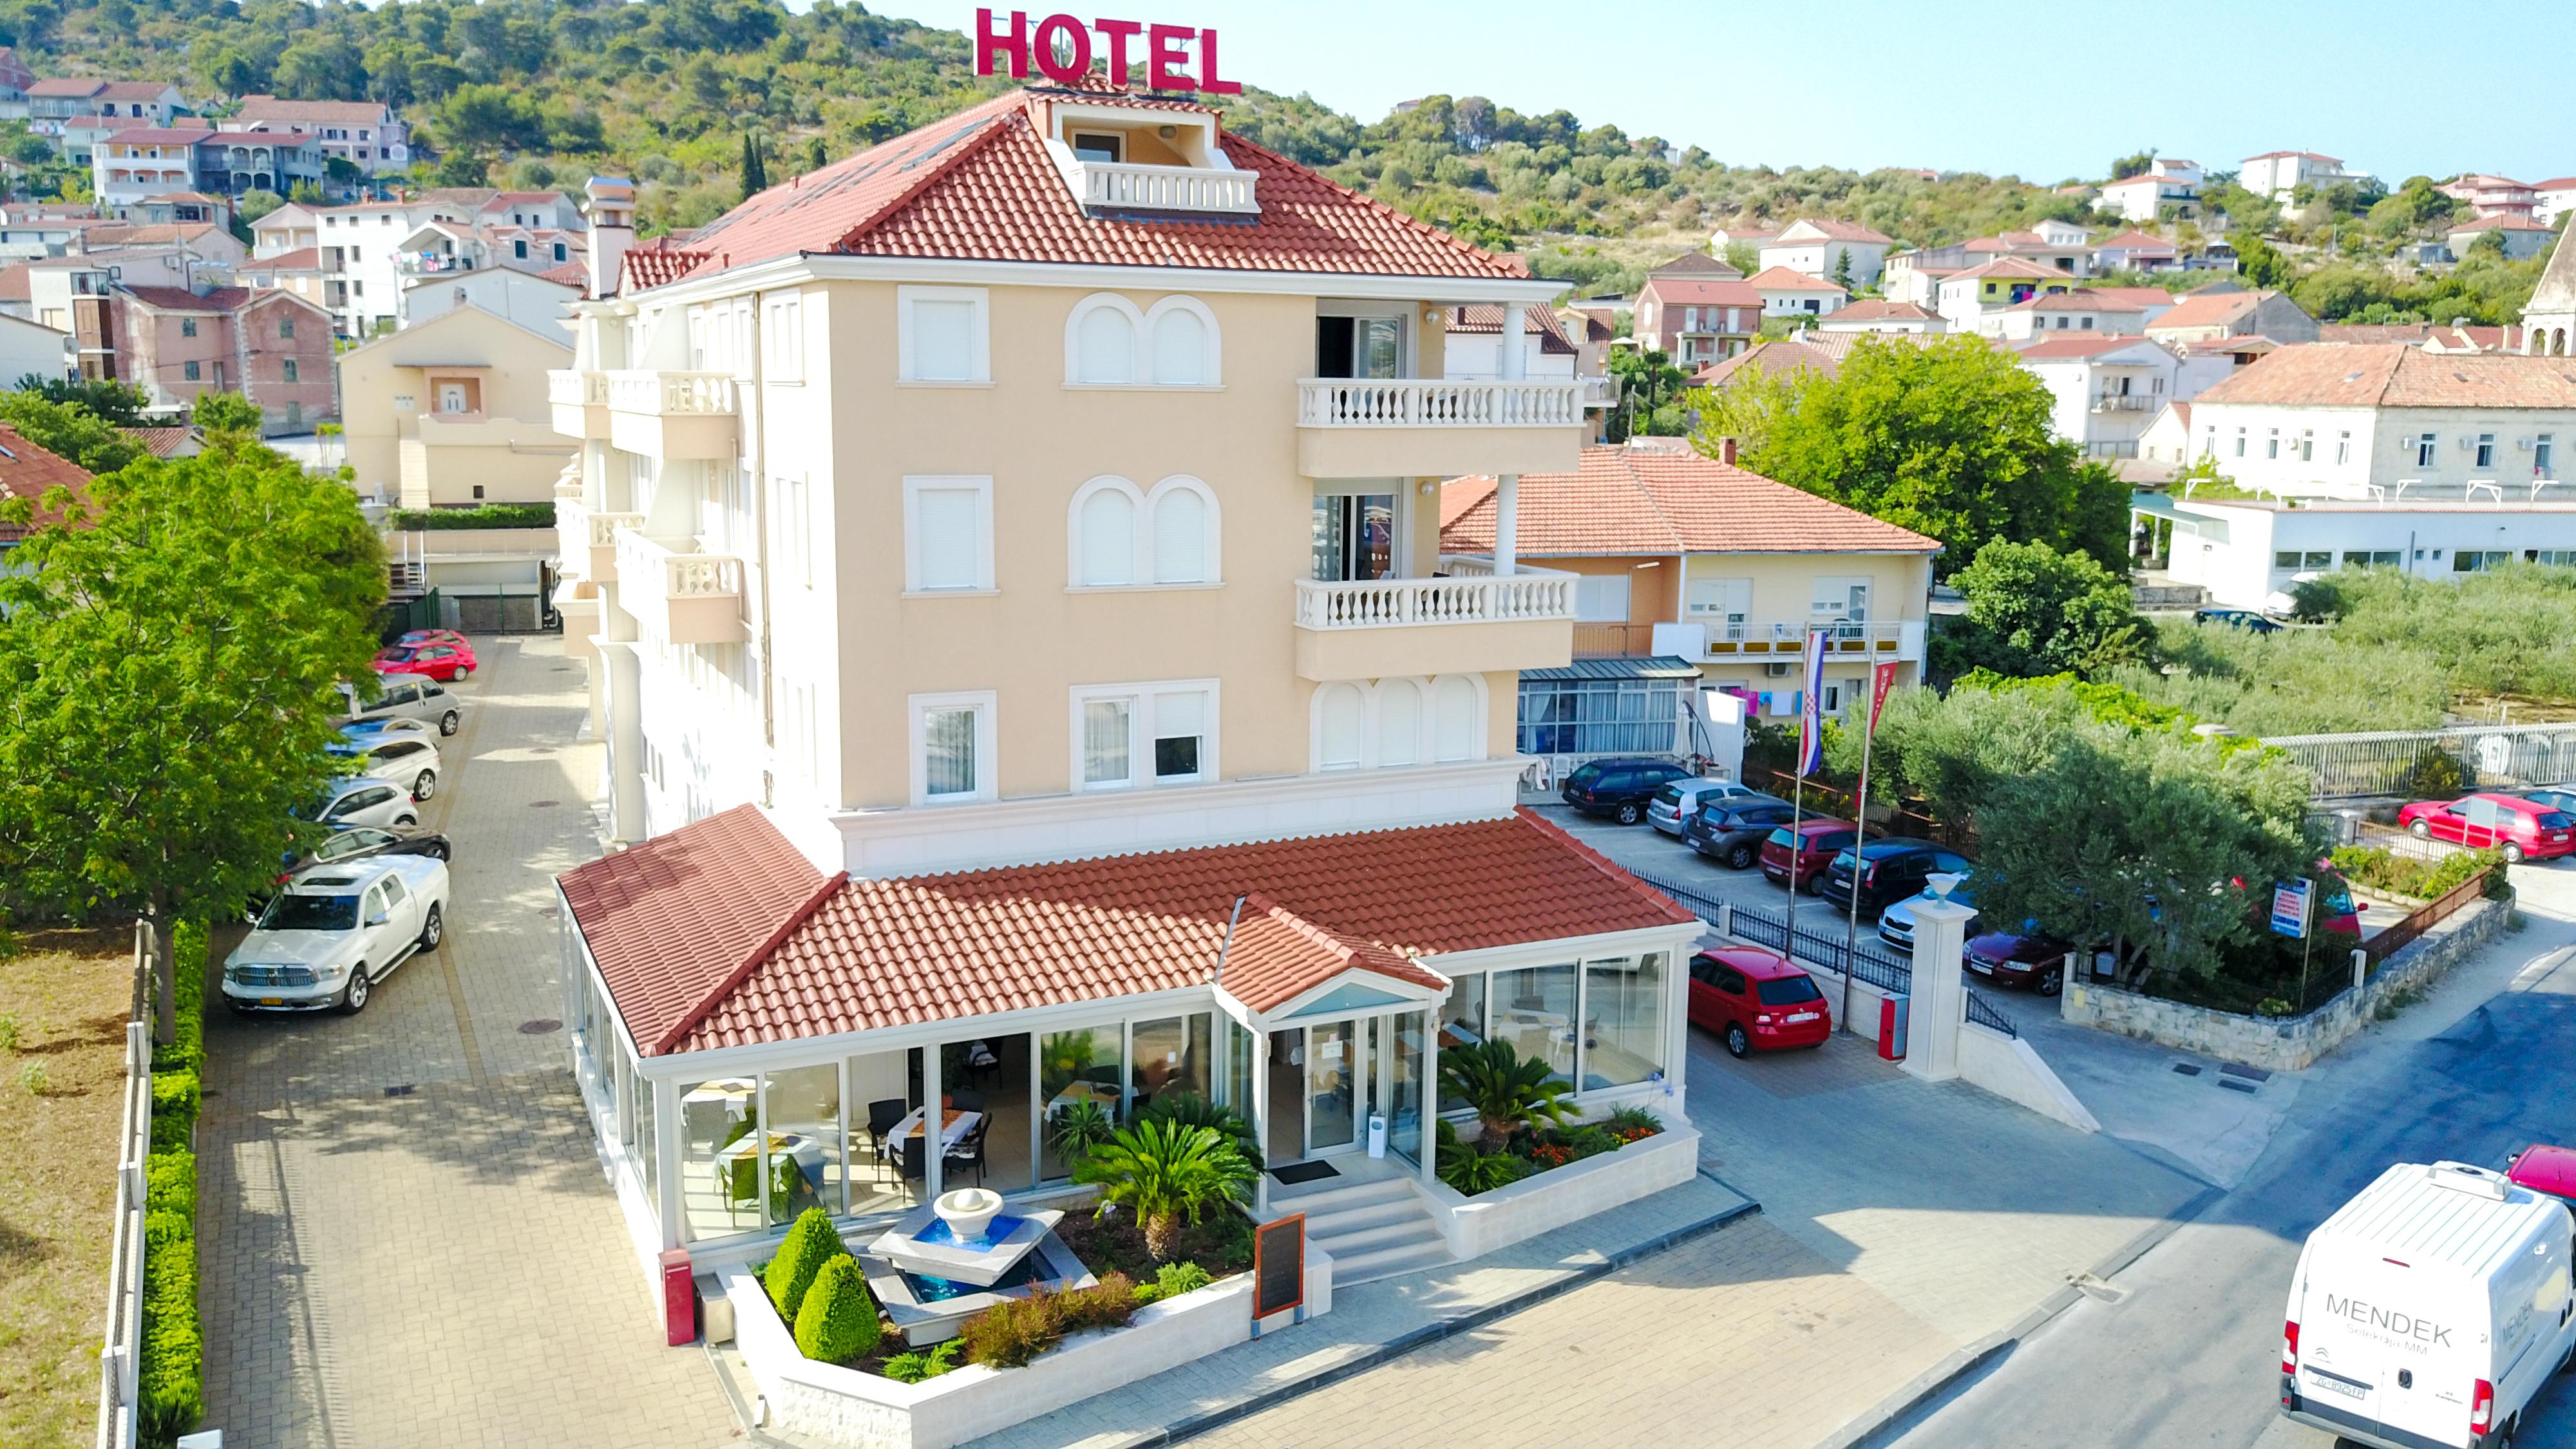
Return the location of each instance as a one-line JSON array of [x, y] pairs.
[[1122, 159], [1100, 146]]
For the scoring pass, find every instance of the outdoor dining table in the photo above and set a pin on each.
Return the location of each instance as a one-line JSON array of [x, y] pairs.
[[807, 1152], [1073, 1092], [952, 1129]]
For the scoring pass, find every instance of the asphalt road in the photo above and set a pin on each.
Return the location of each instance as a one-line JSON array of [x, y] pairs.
[[2189, 1353]]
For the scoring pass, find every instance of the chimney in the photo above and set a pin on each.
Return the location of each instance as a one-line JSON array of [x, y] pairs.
[[608, 203], [1726, 451]]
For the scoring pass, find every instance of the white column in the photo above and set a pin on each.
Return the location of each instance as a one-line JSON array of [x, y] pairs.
[[1513, 367], [1259, 1115], [934, 1124], [1430, 1146], [1940, 1005], [669, 1143], [1507, 524]]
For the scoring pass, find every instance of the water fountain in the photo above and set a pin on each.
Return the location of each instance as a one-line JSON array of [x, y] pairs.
[[942, 1264]]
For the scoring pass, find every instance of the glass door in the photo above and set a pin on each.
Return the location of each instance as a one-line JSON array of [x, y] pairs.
[[1335, 1083], [1354, 536]]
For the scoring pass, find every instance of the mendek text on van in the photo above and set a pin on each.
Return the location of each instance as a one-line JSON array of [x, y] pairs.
[[2403, 1325]]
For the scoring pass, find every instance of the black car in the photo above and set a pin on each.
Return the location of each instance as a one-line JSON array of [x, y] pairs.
[[1889, 871], [357, 842], [2239, 618], [1731, 832], [1619, 788]]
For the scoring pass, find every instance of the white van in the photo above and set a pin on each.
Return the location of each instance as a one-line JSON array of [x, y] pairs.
[[2430, 1310]]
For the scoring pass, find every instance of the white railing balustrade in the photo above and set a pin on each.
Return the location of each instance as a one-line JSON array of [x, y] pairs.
[[649, 563], [577, 387], [1434, 403], [671, 394], [604, 526], [1166, 188], [1388, 603], [1782, 639], [2116, 402]]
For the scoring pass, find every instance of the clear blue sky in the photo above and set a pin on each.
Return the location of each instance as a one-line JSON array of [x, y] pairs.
[[1938, 84]]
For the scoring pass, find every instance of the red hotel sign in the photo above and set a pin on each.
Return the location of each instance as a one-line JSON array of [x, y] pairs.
[[1166, 51]]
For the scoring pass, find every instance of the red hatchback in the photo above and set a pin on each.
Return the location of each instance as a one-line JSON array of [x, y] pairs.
[[1758, 1000], [418, 637], [2521, 829], [2545, 1169], [1818, 842], [441, 661]]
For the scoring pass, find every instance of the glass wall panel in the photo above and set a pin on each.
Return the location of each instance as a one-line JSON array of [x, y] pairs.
[[1404, 1088], [1237, 1081], [881, 1178], [1332, 1084], [647, 1145], [1462, 1024], [1078, 1070], [716, 1118], [992, 1077], [1623, 1020], [1533, 1009], [802, 1112], [1171, 1055]]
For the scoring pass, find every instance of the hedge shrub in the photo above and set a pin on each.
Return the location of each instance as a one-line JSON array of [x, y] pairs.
[[810, 1244], [175, 1099], [838, 1321], [171, 1373], [489, 515], [1012, 1333]]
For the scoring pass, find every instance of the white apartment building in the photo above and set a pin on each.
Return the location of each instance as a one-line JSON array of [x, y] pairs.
[[366, 134], [2278, 173], [1965, 297], [2107, 388], [1823, 248], [2168, 188], [358, 251], [2049, 313], [2389, 422], [147, 161], [1787, 293], [2248, 553]]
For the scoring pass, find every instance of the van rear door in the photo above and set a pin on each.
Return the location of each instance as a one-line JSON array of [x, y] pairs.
[[2374, 1356]]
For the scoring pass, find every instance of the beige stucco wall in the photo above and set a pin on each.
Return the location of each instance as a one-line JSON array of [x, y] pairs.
[[513, 464]]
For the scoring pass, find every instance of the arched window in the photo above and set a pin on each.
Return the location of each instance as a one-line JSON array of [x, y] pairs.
[[1399, 722], [1100, 340], [1102, 534], [1184, 337], [1341, 723], [1458, 720], [1184, 532]]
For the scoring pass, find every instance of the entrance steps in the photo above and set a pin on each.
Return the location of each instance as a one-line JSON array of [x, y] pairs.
[[1372, 1229]]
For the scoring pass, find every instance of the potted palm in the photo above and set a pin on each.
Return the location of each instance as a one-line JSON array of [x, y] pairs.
[[1508, 1091], [1164, 1171]]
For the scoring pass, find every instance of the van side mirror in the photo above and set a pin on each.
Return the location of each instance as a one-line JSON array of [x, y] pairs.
[[378, 919]]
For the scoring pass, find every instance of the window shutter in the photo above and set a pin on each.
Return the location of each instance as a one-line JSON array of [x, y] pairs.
[[948, 542], [943, 341], [1180, 538], [1180, 349], [1399, 722], [1180, 734], [1108, 539], [1106, 342], [1343, 715], [1455, 728], [1601, 598]]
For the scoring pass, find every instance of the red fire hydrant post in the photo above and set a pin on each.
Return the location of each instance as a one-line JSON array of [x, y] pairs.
[[679, 1298]]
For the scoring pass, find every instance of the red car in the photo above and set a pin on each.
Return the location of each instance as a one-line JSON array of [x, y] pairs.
[[1757, 1000], [2521, 829], [1818, 842], [2545, 1169], [418, 637], [441, 661]]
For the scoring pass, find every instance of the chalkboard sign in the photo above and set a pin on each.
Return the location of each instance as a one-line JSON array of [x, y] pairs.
[[1279, 1265]]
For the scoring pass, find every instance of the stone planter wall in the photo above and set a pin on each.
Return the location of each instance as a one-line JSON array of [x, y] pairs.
[[2286, 1044], [844, 1406], [1475, 1226]]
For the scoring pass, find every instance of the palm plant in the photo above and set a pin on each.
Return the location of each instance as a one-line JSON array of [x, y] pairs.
[[1194, 1110], [1509, 1091], [1077, 1127], [1164, 1171]]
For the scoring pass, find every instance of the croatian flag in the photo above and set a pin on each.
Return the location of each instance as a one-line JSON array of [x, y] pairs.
[[1811, 708]]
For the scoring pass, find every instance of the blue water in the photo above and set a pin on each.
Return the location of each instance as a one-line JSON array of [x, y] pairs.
[[1031, 1269], [938, 1234]]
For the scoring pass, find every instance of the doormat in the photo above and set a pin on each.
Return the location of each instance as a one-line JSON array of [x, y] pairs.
[[1304, 1171]]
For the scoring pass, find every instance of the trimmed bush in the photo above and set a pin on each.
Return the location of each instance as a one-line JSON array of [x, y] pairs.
[[838, 1321], [811, 1243], [1012, 1333], [171, 1376], [187, 1048], [489, 515], [170, 1183], [175, 1098], [1171, 1281]]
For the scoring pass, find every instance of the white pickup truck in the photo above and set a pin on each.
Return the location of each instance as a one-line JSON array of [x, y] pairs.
[[334, 931]]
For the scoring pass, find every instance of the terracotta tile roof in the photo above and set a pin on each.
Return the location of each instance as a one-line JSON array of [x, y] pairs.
[[2396, 375], [302, 259], [1850, 231], [1695, 291], [1698, 264], [2250, 344], [2066, 347], [570, 274], [1632, 501], [980, 184], [719, 934], [2092, 299], [2311, 155], [30, 472], [2134, 240], [1540, 320], [1879, 309], [162, 136], [15, 283], [640, 268], [73, 86], [1276, 955], [2010, 267], [352, 113], [2501, 221], [1781, 279], [2145, 299], [2209, 309], [196, 197], [162, 442], [180, 299]]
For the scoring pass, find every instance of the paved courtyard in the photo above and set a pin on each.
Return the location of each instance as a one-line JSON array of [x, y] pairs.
[[405, 1236]]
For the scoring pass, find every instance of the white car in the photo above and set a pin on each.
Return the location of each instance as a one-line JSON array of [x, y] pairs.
[[356, 800], [408, 760], [1674, 803], [334, 931]]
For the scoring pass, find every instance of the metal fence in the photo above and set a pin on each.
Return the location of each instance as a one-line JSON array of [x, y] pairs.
[[1983, 1013], [2427, 762], [119, 1359], [2423, 918]]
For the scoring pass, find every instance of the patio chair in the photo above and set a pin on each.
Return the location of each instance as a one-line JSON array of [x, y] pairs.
[[882, 1116], [969, 1150], [910, 1162], [967, 1101]]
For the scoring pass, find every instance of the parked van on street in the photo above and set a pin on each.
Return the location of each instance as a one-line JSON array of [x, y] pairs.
[[2430, 1310]]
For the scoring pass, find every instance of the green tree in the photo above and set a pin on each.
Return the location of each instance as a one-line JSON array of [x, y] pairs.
[[755, 172], [70, 430], [1508, 1091], [1165, 1170], [2133, 164], [2261, 264], [1650, 394], [1842, 276], [816, 158], [2033, 610], [1952, 440], [226, 412], [169, 680], [115, 402]]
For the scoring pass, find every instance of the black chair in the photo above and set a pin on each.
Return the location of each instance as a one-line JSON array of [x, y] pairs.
[[881, 1119], [967, 1101], [908, 1160], [969, 1150]]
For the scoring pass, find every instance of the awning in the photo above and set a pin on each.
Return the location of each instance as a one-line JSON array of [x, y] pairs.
[[2161, 505], [1665, 666]]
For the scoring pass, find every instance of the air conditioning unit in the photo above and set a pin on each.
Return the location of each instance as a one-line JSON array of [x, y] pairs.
[[2522, 445], [1779, 669]]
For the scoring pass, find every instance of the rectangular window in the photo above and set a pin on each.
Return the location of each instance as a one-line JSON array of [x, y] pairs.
[[952, 747], [1623, 1020], [1108, 743], [2240, 442], [1601, 598], [1107, 146], [782, 324], [2486, 450], [2272, 443], [189, 371], [1725, 605], [2307, 445], [1600, 717], [1122, 729], [2286, 559], [2343, 447], [943, 334], [2425, 443], [795, 526], [285, 327], [187, 326], [2542, 448], [947, 534], [1534, 1010], [2471, 561], [291, 370]]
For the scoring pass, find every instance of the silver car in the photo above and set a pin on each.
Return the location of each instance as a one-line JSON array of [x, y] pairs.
[[408, 696], [358, 800], [408, 760], [1676, 802], [1896, 923], [336, 930]]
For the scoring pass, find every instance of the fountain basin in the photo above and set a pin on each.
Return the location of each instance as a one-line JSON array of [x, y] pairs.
[[923, 1243], [926, 1308], [968, 1212]]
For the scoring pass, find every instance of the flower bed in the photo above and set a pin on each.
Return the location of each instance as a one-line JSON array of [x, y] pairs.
[[1549, 1198], [1472, 1170]]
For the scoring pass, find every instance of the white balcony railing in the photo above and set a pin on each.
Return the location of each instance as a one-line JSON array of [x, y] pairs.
[[657, 568], [604, 527], [2115, 402], [1164, 188], [671, 394], [1433, 403], [577, 388], [1782, 639], [1389, 603]]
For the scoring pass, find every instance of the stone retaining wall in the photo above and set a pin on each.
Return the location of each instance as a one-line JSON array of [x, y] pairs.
[[2292, 1043]]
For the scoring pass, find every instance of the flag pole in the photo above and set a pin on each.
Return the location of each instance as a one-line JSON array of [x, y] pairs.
[[1860, 842]]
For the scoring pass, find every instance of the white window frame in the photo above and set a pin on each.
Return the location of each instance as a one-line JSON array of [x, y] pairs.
[[1141, 323], [1140, 547], [912, 488], [987, 707], [1211, 525], [1141, 732], [979, 342], [782, 332]]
